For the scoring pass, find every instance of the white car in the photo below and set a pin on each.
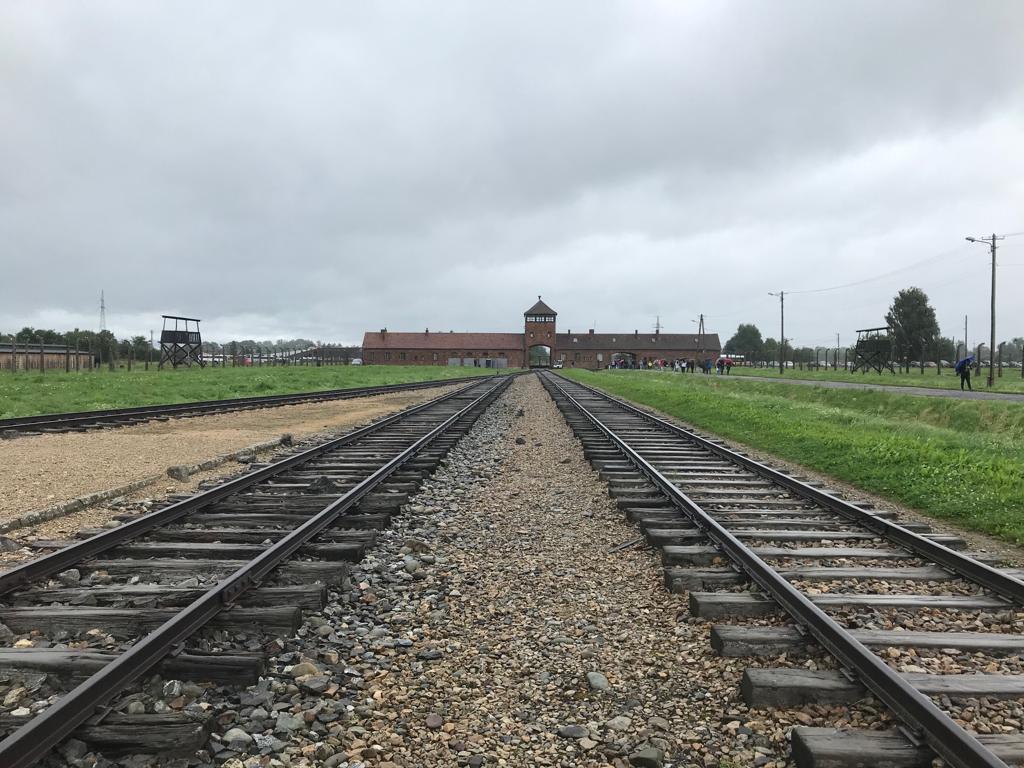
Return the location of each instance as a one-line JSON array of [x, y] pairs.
[[356, 361]]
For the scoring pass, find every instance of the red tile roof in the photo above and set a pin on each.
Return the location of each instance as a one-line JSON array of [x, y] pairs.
[[452, 341]]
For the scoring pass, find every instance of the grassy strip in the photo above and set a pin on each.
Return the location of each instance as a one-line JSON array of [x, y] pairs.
[[24, 394], [957, 460], [1010, 381]]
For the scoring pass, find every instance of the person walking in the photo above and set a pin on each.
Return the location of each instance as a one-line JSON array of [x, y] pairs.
[[963, 367]]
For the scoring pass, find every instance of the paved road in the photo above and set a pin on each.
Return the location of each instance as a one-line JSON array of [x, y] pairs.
[[956, 394]]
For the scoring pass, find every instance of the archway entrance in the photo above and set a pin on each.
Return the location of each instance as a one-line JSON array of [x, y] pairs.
[[540, 356], [623, 360]]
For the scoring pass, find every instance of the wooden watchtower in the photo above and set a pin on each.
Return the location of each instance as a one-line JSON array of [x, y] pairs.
[[182, 344], [875, 350]]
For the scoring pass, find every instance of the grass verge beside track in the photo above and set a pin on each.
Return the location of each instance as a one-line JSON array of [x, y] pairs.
[[28, 394], [958, 460], [1010, 381]]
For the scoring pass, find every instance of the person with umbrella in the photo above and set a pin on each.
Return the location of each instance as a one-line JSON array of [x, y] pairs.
[[963, 367]]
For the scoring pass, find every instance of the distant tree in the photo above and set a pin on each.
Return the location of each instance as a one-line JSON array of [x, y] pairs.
[[746, 341], [913, 322], [946, 348], [106, 346], [770, 351]]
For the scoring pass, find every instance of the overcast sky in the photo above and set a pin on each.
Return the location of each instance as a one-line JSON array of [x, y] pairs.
[[319, 169]]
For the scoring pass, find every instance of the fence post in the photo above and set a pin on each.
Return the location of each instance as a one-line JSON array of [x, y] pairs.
[[1000, 358]]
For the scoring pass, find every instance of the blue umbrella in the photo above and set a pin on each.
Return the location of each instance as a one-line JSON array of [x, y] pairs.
[[966, 361]]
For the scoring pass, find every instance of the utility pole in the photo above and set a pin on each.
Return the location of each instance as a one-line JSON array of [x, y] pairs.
[[700, 335], [103, 312], [782, 329], [991, 242]]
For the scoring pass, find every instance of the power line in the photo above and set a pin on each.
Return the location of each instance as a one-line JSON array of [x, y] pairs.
[[937, 257]]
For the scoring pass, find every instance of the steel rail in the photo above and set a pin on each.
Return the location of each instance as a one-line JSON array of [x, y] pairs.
[[35, 739], [951, 742], [63, 559], [78, 418], [1003, 584]]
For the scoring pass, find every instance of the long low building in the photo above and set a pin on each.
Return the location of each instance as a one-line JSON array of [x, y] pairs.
[[18, 356], [540, 345]]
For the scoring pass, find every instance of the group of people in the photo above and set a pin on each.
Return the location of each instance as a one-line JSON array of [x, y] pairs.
[[723, 365]]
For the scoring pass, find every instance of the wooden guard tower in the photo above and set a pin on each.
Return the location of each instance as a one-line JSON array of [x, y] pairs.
[[182, 344], [875, 350]]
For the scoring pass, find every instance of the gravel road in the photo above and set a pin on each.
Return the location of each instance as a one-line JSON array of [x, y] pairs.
[[49, 469]]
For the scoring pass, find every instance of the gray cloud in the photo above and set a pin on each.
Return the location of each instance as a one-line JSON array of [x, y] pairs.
[[336, 167]]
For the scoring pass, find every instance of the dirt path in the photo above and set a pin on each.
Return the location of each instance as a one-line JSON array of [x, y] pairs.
[[894, 389], [49, 469]]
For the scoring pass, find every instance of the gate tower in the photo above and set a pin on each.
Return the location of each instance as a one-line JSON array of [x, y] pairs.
[[539, 335]]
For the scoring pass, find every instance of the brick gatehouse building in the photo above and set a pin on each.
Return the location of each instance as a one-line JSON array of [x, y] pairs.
[[539, 345]]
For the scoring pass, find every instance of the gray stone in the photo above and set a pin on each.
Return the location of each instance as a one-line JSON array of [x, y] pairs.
[[434, 721], [315, 683], [647, 758], [180, 473], [286, 723], [620, 723], [597, 681], [659, 723], [136, 708], [237, 739], [73, 749], [573, 732]]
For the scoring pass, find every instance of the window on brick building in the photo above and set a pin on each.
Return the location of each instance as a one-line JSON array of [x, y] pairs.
[[435, 355], [387, 355], [401, 355]]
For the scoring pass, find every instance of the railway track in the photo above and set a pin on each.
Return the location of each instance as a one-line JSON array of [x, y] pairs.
[[240, 560], [874, 599], [83, 421]]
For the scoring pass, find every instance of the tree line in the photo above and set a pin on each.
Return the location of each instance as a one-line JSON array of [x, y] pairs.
[[915, 335]]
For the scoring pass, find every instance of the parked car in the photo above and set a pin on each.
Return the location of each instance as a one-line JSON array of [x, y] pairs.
[[356, 361], [557, 365]]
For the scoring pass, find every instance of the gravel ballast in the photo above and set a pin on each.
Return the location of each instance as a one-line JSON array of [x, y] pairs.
[[490, 626]]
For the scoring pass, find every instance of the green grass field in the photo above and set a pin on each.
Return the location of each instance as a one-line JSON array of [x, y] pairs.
[[1010, 381], [957, 460], [23, 394]]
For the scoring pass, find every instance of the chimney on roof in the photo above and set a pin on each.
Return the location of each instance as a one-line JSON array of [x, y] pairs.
[[427, 331], [657, 332], [590, 331], [636, 333], [383, 331]]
